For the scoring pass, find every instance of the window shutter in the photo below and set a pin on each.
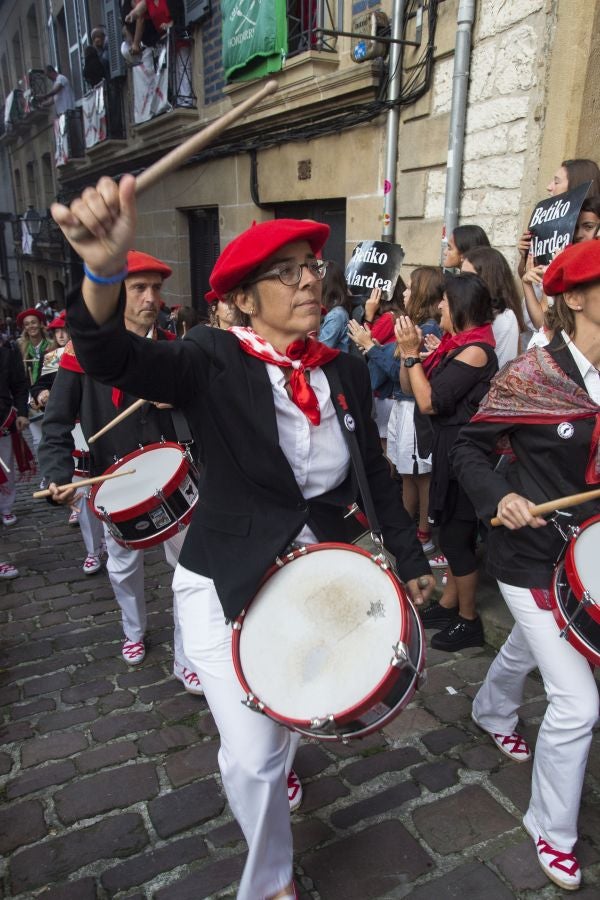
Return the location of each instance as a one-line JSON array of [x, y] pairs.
[[112, 17]]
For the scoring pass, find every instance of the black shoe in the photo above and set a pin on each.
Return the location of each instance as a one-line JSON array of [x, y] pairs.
[[459, 634], [437, 616]]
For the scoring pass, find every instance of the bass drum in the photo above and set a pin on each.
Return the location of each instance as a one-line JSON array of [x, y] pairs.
[[330, 646], [575, 591]]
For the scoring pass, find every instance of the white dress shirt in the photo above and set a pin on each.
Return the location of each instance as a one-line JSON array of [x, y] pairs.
[[589, 372]]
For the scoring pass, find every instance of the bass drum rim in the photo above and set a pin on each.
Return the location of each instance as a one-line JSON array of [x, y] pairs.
[[575, 638]]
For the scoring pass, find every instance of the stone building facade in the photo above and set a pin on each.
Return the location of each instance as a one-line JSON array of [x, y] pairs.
[[534, 87]]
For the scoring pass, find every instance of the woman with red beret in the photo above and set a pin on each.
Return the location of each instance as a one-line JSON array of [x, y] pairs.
[[544, 408], [33, 343], [260, 401]]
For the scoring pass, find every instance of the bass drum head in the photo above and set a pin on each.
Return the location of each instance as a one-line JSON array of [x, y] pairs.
[[317, 639], [584, 632]]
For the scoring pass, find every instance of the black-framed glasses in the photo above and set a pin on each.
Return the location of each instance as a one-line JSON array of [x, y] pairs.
[[290, 274]]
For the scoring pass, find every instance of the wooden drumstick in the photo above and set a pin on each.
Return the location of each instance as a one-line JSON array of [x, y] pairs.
[[4, 466], [126, 412], [176, 157], [560, 503], [84, 482]]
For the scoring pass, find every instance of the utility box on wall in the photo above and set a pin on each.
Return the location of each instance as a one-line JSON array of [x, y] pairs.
[[370, 24]]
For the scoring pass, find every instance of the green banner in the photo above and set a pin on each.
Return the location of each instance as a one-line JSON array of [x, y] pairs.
[[254, 37]]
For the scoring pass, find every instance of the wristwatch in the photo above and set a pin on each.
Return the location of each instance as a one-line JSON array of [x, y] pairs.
[[411, 361]]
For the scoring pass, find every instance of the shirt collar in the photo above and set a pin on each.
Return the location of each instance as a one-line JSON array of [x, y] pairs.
[[581, 361]]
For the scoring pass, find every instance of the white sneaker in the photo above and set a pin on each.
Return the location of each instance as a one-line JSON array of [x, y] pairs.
[[189, 679], [73, 517], [91, 564], [133, 652], [561, 868], [7, 570], [8, 519], [294, 788]]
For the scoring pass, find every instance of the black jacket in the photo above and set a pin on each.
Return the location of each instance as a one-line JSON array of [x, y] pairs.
[[13, 382], [546, 466], [250, 506]]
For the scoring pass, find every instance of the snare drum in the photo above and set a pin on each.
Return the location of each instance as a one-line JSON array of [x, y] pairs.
[[81, 453], [575, 591], [154, 503], [330, 646]]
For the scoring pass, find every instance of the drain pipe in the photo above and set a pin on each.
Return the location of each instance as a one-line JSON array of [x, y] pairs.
[[393, 120], [456, 138]]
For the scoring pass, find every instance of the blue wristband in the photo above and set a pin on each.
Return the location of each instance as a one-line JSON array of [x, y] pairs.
[[98, 279]]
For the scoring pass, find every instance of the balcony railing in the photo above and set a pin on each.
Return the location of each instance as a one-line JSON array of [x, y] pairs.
[[102, 112], [164, 79], [304, 18]]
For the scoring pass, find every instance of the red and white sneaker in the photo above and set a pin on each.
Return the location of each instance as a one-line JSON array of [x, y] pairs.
[[189, 679], [91, 564], [425, 539], [561, 868], [133, 652], [438, 562], [294, 790], [7, 570], [8, 519], [73, 517], [512, 745]]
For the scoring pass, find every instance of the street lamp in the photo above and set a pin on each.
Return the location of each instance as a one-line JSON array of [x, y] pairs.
[[33, 221]]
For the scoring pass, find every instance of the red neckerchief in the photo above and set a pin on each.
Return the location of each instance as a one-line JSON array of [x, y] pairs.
[[534, 390], [69, 361], [482, 334], [300, 356], [21, 452]]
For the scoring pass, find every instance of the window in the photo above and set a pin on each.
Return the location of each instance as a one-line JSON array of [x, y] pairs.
[[204, 251], [304, 17], [47, 180], [42, 287], [33, 39], [32, 190], [18, 191]]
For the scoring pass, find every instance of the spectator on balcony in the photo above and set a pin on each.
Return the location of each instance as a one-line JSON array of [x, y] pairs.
[[96, 66], [61, 93], [100, 44], [157, 11]]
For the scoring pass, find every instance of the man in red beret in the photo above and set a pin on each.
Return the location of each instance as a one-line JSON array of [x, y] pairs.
[[75, 397], [268, 404], [545, 408]]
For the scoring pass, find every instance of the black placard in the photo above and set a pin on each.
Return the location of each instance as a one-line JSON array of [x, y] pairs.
[[553, 222], [374, 264]]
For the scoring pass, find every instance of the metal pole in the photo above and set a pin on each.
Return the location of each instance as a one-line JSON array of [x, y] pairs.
[[391, 140], [456, 137]]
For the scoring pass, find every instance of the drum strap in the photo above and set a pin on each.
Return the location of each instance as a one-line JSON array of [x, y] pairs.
[[348, 426], [182, 429]]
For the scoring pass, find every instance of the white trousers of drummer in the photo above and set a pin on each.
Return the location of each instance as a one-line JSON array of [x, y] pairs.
[[8, 489], [92, 530], [565, 735], [126, 573], [256, 753]]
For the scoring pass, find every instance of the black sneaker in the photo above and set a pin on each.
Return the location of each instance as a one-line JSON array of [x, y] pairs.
[[459, 634], [437, 616]]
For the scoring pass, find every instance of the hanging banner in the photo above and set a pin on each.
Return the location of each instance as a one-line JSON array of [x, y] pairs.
[[553, 222], [254, 38], [374, 264], [94, 116], [151, 84], [61, 140]]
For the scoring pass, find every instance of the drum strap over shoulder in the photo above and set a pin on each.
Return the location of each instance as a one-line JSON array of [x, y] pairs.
[[348, 425]]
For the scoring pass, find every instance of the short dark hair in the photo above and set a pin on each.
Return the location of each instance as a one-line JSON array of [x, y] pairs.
[[469, 300], [468, 236], [49, 68]]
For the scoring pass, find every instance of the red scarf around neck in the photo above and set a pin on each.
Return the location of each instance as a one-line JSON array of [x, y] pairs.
[[300, 357], [481, 334]]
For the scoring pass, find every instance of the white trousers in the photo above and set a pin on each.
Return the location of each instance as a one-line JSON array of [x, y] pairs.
[[92, 530], [256, 753], [565, 734], [8, 489], [126, 574]]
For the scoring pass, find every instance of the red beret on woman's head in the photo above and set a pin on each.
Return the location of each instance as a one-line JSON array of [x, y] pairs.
[[254, 246], [143, 262], [29, 312], [59, 322], [578, 264]]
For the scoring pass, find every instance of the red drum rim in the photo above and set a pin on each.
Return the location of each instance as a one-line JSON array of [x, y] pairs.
[[573, 578], [379, 691], [572, 637], [124, 515]]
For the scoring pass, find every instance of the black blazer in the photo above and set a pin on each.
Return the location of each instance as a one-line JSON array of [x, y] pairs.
[[250, 506], [546, 466]]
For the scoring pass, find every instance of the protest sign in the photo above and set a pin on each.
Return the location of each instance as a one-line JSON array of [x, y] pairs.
[[374, 264], [553, 222]]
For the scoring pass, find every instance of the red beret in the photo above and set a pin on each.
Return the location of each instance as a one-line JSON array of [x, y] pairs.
[[211, 297], [577, 264], [255, 245], [59, 322], [143, 262], [30, 312]]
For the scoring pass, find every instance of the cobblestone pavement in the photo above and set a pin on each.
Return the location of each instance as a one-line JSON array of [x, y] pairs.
[[110, 783]]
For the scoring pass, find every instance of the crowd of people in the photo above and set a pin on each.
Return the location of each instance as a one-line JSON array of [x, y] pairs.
[[297, 402]]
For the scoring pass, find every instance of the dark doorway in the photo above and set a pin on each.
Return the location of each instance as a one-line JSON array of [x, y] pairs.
[[331, 212], [204, 251]]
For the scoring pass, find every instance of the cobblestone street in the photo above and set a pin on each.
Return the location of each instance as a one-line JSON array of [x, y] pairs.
[[110, 778]]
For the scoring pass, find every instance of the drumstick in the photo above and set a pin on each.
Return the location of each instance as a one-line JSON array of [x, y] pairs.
[[84, 482], [559, 503], [126, 412], [176, 157], [4, 466]]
